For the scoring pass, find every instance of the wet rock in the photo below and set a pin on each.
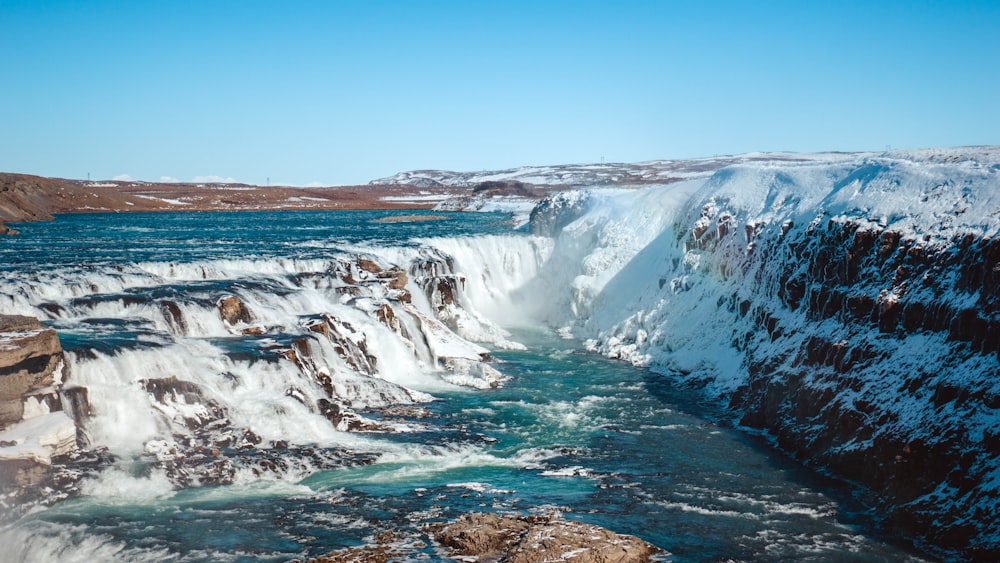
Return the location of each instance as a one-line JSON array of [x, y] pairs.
[[387, 316], [537, 539], [368, 266], [404, 296], [397, 279], [30, 359], [174, 316], [234, 311], [362, 554], [444, 290], [36, 431], [404, 411], [172, 389], [346, 420], [319, 327], [350, 343], [557, 210]]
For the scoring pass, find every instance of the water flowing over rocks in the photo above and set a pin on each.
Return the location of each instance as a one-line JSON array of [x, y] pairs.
[[232, 379]]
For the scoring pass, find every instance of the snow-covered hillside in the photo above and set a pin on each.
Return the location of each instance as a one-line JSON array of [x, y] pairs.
[[590, 175], [847, 307]]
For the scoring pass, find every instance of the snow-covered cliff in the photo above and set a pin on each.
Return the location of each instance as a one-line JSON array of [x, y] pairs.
[[847, 308]]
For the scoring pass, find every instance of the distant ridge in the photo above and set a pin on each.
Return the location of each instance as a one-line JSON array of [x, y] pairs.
[[649, 172], [25, 198], [603, 174]]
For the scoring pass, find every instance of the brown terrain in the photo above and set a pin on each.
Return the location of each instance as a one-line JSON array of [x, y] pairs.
[[34, 198], [506, 539]]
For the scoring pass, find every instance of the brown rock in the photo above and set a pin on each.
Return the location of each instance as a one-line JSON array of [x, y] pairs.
[[320, 327], [481, 535], [29, 357], [22, 473], [386, 315], [534, 539], [363, 554], [173, 389], [233, 310], [10, 323], [174, 316], [368, 265], [397, 278]]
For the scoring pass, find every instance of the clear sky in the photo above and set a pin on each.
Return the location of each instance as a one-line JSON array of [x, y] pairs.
[[338, 92]]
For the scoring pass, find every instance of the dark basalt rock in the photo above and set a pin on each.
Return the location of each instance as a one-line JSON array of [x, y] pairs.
[[871, 282]]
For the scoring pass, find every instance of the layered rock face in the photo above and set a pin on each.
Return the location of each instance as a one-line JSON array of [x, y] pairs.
[[37, 419], [849, 310], [30, 360], [903, 394]]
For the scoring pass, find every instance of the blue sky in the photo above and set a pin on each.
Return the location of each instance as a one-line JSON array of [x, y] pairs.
[[344, 92]]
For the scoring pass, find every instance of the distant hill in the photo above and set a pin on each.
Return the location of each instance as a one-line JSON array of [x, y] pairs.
[[34, 198], [593, 175]]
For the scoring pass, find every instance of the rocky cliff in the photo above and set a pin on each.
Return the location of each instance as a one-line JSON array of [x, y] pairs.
[[848, 310], [38, 413]]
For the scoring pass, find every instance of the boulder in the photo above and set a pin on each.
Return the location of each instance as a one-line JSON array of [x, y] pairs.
[[234, 311], [534, 539]]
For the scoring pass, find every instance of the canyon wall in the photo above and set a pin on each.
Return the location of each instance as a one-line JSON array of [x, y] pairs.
[[847, 310]]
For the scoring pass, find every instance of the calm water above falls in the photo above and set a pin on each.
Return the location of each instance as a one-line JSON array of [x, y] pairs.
[[597, 440]]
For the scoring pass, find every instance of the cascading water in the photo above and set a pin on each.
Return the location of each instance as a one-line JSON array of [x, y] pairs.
[[272, 386]]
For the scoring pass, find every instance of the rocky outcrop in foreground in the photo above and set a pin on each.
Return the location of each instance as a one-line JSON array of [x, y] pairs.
[[509, 539], [37, 413], [534, 539]]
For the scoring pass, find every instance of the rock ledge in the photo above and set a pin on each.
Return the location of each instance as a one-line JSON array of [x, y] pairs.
[[534, 539]]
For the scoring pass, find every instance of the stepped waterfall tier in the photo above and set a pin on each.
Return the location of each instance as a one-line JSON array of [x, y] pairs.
[[791, 358]]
